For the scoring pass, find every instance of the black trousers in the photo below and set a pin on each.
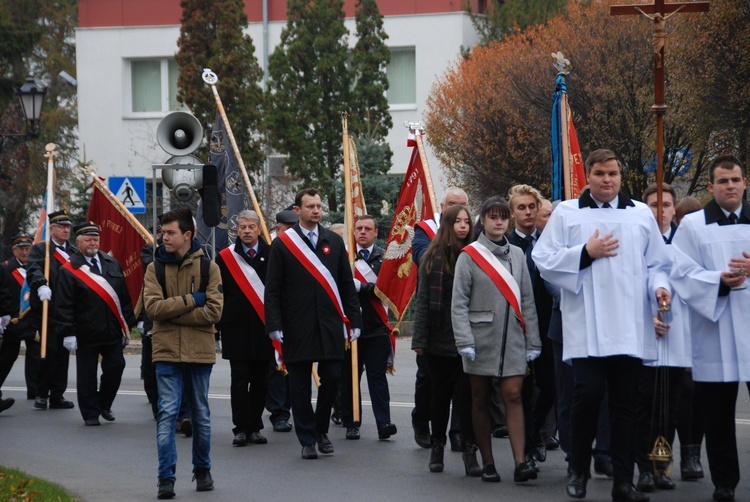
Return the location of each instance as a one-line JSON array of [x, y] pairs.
[[308, 423], [449, 382], [9, 350], [593, 377], [373, 355], [719, 400], [420, 414], [90, 400], [53, 370], [247, 394], [652, 421], [689, 413], [539, 394], [278, 402]]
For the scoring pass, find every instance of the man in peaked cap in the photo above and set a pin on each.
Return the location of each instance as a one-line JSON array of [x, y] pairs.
[[93, 316], [53, 370], [21, 329]]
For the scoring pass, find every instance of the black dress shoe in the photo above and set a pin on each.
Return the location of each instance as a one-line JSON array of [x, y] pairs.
[[324, 444], [626, 492], [604, 467], [92, 421], [60, 403], [576, 486], [6, 403], [308, 452], [257, 438], [457, 441], [421, 434], [531, 461], [385, 431], [523, 473], [489, 474], [722, 493], [663, 482], [282, 426], [551, 443], [646, 482], [40, 403], [108, 416], [352, 433], [240, 439], [336, 417]]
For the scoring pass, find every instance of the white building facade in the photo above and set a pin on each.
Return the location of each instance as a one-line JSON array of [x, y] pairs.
[[127, 74]]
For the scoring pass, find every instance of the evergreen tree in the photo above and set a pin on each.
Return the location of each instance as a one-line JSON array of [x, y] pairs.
[[369, 113], [309, 87], [503, 17], [37, 38], [211, 37]]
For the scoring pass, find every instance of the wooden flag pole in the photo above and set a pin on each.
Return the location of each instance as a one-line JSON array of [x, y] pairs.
[[565, 132], [417, 128], [352, 248], [211, 79], [51, 151]]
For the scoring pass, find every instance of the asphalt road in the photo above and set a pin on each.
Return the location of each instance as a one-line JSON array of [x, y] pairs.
[[117, 461]]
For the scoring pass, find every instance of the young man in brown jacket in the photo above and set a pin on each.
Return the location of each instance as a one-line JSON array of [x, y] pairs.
[[183, 296]]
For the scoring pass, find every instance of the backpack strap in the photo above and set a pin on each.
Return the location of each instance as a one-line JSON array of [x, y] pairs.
[[205, 267], [161, 277]]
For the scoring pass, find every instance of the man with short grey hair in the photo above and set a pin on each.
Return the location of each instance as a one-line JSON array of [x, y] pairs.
[[242, 326]]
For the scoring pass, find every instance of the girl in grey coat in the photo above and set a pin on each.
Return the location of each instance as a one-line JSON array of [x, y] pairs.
[[491, 339]]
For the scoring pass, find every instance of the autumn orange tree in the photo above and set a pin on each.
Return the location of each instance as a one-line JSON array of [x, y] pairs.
[[489, 115]]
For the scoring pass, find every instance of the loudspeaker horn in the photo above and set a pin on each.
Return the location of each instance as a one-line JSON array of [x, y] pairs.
[[179, 133]]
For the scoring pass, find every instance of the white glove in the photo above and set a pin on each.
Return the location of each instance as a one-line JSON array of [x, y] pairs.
[[45, 294], [139, 327], [2, 330], [532, 354], [468, 352], [4, 321], [357, 285], [276, 335], [70, 343], [354, 334]]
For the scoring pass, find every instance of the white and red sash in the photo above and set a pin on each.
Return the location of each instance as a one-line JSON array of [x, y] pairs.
[[310, 261], [430, 227], [252, 287], [363, 273], [61, 255], [103, 290], [19, 275], [499, 275], [247, 279]]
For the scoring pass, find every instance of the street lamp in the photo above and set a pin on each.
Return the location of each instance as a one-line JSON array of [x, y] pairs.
[[31, 96]]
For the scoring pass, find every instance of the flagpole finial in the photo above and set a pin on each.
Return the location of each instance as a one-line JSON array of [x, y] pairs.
[[210, 77], [561, 64], [414, 126], [50, 148]]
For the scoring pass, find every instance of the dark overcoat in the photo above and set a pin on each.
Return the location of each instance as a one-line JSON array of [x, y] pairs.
[[243, 334], [298, 305]]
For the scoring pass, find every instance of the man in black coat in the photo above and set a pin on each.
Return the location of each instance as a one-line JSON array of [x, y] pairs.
[[94, 316], [374, 346], [53, 370], [243, 332], [307, 270], [14, 272]]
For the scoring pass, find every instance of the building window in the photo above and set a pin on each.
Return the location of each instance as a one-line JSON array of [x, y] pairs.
[[153, 85], [402, 78]]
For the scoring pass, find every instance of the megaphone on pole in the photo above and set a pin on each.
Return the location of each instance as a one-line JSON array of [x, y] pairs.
[[180, 134]]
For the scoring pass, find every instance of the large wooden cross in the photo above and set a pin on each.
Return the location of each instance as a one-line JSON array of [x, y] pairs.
[[659, 12]]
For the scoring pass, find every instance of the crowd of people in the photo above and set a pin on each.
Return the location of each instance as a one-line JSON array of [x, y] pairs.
[[601, 325]]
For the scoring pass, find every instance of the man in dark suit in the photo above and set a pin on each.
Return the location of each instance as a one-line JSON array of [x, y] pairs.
[[311, 306], [525, 202], [20, 330], [243, 331], [94, 316], [53, 370], [374, 346]]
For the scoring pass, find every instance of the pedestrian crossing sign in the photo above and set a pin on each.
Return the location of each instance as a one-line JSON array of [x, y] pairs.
[[131, 191]]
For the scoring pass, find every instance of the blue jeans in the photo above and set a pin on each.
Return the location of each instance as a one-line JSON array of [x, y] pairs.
[[170, 378]]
